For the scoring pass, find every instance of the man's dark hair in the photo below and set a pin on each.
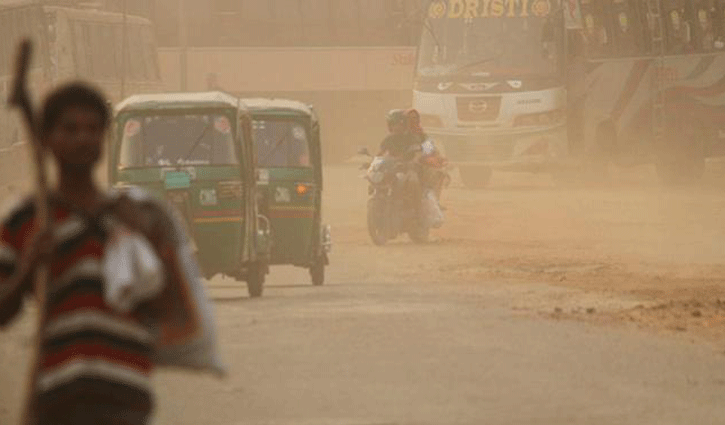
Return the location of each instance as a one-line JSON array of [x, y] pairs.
[[72, 95]]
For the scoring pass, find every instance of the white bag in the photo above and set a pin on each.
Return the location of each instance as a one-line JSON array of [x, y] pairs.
[[432, 211], [133, 272]]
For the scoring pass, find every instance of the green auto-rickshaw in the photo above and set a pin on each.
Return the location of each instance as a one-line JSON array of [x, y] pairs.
[[194, 150], [289, 165]]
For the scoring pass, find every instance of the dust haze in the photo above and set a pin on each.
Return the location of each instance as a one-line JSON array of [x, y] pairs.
[[579, 276]]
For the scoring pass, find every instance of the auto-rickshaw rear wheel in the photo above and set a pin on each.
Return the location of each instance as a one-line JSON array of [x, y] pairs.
[[256, 275], [317, 272]]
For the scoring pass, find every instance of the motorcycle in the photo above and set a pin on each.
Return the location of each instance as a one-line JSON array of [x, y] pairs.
[[397, 203]]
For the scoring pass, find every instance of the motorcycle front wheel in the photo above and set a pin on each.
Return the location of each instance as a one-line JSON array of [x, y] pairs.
[[376, 221]]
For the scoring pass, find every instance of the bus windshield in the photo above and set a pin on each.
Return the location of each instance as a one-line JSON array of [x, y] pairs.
[[458, 40]]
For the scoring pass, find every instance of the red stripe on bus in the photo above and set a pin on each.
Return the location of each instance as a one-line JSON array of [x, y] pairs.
[[711, 91], [639, 70]]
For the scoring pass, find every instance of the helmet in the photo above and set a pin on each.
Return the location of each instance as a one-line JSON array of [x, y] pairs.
[[395, 118]]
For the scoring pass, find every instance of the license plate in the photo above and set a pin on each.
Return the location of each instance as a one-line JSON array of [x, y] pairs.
[[177, 180]]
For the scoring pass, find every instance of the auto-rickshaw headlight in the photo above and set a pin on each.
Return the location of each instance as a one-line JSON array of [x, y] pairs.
[[302, 189]]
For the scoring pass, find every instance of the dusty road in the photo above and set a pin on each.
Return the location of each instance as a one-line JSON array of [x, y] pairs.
[[534, 305]]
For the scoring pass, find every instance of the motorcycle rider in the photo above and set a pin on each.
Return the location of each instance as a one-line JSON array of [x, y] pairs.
[[431, 167], [400, 143], [403, 146]]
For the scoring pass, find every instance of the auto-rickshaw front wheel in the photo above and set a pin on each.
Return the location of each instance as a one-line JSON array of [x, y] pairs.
[[256, 275], [317, 272]]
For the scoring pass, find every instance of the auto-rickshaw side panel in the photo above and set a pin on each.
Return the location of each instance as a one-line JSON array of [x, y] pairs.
[[249, 254]]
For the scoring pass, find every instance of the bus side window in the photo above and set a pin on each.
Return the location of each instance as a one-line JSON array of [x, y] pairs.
[[704, 12], [596, 30], [719, 24], [677, 25], [626, 28]]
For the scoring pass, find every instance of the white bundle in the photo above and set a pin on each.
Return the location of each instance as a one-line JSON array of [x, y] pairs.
[[132, 271], [432, 210]]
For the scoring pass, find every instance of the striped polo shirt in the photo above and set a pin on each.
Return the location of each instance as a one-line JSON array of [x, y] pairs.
[[90, 354]]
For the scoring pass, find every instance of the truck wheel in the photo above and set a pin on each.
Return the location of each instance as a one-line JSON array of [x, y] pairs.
[[317, 272], [475, 177], [256, 275]]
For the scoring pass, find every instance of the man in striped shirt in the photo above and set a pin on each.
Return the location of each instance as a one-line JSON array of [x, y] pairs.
[[95, 362]]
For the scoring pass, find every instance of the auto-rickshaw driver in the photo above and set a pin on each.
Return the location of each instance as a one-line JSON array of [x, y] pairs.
[[286, 148]]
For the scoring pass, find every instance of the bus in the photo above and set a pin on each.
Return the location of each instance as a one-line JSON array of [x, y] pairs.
[[75, 44], [490, 86], [574, 85], [352, 59], [654, 88]]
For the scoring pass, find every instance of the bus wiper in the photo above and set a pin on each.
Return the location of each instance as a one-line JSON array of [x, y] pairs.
[[476, 63]]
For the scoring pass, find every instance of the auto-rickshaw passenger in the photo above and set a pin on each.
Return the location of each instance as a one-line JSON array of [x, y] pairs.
[[281, 144], [432, 163]]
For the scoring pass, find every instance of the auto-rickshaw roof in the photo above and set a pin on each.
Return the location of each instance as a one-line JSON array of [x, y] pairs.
[[161, 101], [263, 105]]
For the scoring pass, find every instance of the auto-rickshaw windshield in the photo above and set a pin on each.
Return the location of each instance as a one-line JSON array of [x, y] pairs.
[[281, 143], [165, 140]]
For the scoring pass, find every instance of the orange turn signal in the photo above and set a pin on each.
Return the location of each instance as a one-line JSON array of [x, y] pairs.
[[302, 189]]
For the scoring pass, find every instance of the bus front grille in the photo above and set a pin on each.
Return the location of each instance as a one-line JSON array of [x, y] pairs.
[[478, 109]]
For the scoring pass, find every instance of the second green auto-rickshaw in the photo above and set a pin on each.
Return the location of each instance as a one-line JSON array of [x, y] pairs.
[[289, 167], [195, 151]]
